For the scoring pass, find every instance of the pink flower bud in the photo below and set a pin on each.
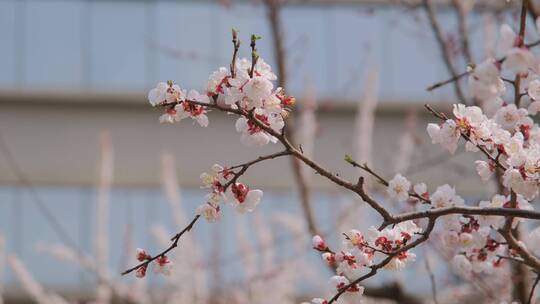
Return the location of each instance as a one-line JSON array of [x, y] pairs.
[[141, 272], [142, 255], [318, 243], [240, 191], [162, 260], [164, 265]]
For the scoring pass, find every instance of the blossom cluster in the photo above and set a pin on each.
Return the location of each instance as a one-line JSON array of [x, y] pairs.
[[506, 133], [358, 253], [250, 89], [474, 241], [223, 188], [246, 89], [485, 80], [162, 264], [510, 138]]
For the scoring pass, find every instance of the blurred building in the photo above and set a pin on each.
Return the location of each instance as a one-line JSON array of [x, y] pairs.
[[70, 69]]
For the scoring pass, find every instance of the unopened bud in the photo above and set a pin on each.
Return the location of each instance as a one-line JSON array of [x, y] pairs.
[[289, 101]]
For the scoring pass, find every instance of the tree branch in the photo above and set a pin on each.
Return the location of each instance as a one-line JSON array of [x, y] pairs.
[[174, 244], [463, 33], [443, 46]]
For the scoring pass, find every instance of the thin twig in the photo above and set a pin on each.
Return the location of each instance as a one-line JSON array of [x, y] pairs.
[[382, 180], [522, 27], [174, 244], [447, 81], [260, 159], [236, 47], [463, 32], [254, 54], [447, 57], [438, 212]]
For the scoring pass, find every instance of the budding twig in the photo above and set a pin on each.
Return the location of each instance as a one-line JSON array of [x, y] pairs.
[[174, 244], [381, 180], [447, 57], [254, 54], [236, 45]]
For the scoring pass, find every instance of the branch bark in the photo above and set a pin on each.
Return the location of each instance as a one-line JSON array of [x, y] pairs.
[[447, 57]]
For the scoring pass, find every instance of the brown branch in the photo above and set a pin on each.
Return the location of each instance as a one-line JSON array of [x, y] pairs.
[[365, 167], [463, 32], [438, 212], [528, 257], [274, 19], [243, 167], [254, 54], [520, 288], [513, 243], [513, 259], [370, 201], [382, 180], [447, 57], [521, 274], [522, 27], [259, 159], [236, 45], [449, 80], [174, 244]]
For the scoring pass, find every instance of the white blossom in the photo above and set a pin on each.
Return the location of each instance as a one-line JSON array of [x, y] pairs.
[[446, 135], [446, 196], [485, 82], [242, 198], [398, 188], [209, 212]]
